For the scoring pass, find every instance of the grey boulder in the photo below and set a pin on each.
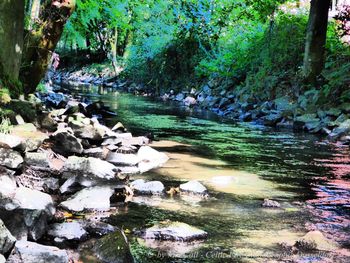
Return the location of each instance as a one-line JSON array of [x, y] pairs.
[[96, 198], [113, 248], [91, 168], [10, 158], [30, 252], [66, 143], [7, 240], [68, 231]]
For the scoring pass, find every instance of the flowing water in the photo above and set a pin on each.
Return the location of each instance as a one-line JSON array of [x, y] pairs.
[[240, 164]]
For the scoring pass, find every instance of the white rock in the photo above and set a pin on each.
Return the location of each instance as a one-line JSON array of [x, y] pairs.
[[11, 141], [189, 101], [174, 231], [140, 186], [124, 159], [96, 198], [194, 187], [8, 186], [34, 200], [91, 168], [150, 158], [10, 158], [67, 231]]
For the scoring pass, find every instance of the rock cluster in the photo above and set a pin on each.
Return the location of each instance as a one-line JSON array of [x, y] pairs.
[[62, 161], [302, 114]]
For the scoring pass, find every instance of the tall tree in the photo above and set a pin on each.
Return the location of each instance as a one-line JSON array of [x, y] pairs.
[[11, 39], [40, 41], [316, 39]]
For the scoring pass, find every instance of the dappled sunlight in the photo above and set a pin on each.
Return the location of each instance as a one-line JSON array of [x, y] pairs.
[[215, 175]]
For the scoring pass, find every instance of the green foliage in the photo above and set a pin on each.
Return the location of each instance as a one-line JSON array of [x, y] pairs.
[[5, 125], [337, 67], [256, 46], [41, 88], [4, 96], [12, 86]]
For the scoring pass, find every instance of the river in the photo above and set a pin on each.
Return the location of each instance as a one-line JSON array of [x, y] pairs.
[[240, 164]]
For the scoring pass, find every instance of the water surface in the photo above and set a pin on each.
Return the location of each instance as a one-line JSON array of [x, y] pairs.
[[241, 164]]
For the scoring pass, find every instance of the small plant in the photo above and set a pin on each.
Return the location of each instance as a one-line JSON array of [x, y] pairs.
[[4, 96], [5, 126], [41, 88]]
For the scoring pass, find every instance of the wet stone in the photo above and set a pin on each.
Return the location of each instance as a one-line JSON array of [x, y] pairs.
[[140, 186], [96, 198], [113, 248], [30, 252], [69, 231], [270, 203], [173, 231], [193, 187]]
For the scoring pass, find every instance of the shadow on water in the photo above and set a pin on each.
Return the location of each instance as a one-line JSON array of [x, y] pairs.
[[241, 164]]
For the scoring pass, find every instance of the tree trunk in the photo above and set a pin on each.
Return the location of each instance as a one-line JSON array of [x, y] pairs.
[[11, 38], [34, 12], [40, 42], [316, 40], [114, 47]]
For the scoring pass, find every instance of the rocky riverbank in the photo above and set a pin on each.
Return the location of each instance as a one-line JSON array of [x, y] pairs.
[[303, 114], [57, 162]]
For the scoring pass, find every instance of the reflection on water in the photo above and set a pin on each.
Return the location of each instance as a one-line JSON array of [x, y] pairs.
[[241, 164]]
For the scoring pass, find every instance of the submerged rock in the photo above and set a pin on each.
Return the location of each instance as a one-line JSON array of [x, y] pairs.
[[174, 231], [30, 252], [140, 186], [10, 158], [113, 248], [193, 187], [97, 198], [315, 240], [7, 240], [270, 203], [96, 228], [68, 231]]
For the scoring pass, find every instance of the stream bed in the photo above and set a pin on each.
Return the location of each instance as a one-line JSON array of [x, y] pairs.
[[240, 164]]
